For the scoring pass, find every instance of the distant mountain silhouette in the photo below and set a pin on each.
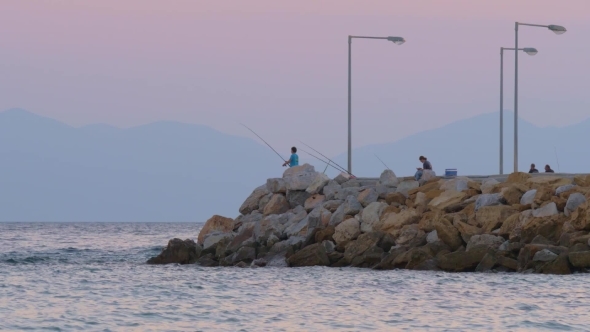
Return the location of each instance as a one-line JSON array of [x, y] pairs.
[[472, 146], [164, 171]]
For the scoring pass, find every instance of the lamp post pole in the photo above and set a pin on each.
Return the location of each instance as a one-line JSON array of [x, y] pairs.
[[396, 40], [557, 29]]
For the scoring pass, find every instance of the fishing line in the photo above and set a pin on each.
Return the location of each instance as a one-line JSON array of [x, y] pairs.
[[342, 169], [263, 141], [382, 161]]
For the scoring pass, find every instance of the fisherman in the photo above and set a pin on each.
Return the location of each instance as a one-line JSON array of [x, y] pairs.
[[425, 165], [533, 169], [548, 169], [294, 159]]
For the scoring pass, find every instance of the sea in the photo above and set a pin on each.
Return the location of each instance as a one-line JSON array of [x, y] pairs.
[[93, 277]]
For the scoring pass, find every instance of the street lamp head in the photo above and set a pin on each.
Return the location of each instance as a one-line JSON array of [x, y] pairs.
[[396, 40], [530, 50], [558, 29]]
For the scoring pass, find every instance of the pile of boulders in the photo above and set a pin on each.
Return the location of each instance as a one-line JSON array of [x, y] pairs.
[[527, 223]]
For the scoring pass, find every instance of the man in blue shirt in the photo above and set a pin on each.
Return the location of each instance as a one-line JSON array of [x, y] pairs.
[[425, 165], [294, 159]]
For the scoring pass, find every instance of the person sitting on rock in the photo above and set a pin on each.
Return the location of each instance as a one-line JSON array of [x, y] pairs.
[[425, 165], [294, 159], [548, 169], [533, 169]]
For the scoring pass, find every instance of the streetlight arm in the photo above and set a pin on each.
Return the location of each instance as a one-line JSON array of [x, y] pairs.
[[532, 25], [367, 37]]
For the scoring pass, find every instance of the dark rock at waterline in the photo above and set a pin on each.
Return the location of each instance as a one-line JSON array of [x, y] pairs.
[[178, 251]]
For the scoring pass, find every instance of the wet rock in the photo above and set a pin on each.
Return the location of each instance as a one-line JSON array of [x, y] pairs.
[[360, 245], [178, 251], [487, 200], [313, 201], [559, 265], [580, 259], [297, 197], [346, 231], [276, 186], [369, 258], [325, 234], [245, 234], [546, 211], [466, 230], [212, 239], [388, 179], [371, 216], [313, 255], [277, 205], [367, 197], [462, 260], [318, 184], [207, 260], [540, 239], [411, 236], [215, 224], [251, 203], [575, 200], [387, 262], [544, 255], [329, 246], [487, 240], [448, 234]]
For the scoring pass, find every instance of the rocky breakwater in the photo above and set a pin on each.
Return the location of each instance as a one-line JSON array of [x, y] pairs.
[[537, 224]]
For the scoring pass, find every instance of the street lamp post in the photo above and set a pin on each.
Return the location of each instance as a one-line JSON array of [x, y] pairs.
[[395, 40], [557, 29], [529, 51]]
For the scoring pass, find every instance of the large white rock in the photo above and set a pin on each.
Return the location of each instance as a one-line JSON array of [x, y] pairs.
[[544, 255], [457, 184], [528, 197], [405, 186], [575, 200], [212, 239], [371, 215], [487, 185], [432, 237], [299, 177], [428, 175], [563, 189], [487, 200], [546, 211], [388, 178], [346, 231], [318, 184]]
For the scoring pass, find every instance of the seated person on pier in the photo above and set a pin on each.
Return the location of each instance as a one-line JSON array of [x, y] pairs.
[[425, 165], [533, 169], [548, 169]]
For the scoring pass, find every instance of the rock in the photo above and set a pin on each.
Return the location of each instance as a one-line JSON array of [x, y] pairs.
[[297, 197], [462, 260], [351, 183], [367, 197], [510, 224], [246, 233], [518, 177], [369, 258], [492, 217], [359, 246], [395, 221], [550, 181], [432, 237], [504, 246], [345, 192], [325, 234], [332, 205], [346, 231], [395, 197], [244, 254], [313, 201], [298, 229], [212, 239], [313, 255], [318, 218], [486, 240], [448, 234], [179, 252], [559, 203], [580, 259], [371, 216], [487, 200], [388, 179], [582, 180], [543, 194], [207, 261], [466, 230], [563, 189], [540, 239], [456, 184], [251, 203], [299, 178], [405, 186], [546, 211], [580, 218], [549, 227], [277, 205], [488, 185], [428, 175], [329, 246], [320, 181], [421, 199], [351, 206], [575, 200], [528, 197], [411, 236], [331, 189], [446, 199], [511, 195], [263, 202], [429, 219], [276, 186], [215, 223], [342, 177], [544, 256]]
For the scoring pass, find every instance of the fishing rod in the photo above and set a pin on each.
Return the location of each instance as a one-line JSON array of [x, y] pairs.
[[342, 169], [318, 158], [557, 159], [382, 161], [264, 141]]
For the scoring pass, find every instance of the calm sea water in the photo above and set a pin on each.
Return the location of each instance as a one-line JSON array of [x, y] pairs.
[[93, 277]]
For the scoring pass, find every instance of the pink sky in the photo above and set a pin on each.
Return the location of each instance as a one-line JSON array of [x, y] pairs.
[[281, 66]]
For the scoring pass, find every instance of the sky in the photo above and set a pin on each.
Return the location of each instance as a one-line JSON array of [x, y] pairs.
[[281, 67]]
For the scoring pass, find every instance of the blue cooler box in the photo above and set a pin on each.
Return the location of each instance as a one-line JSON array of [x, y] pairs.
[[451, 172]]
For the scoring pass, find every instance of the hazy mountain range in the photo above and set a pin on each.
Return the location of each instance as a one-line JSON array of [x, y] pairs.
[[168, 171]]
